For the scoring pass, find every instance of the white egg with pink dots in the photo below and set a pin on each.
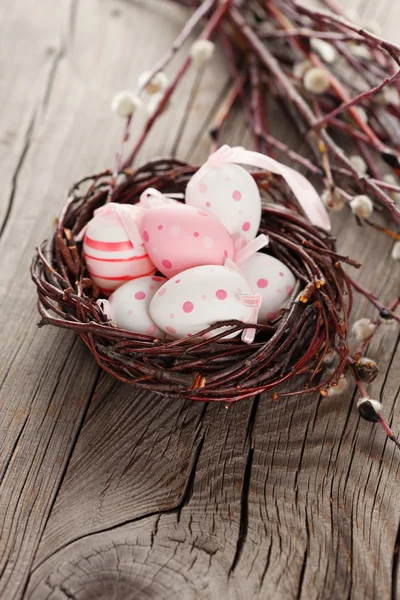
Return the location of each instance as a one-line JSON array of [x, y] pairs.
[[129, 305], [197, 298], [178, 237], [230, 193], [270, 278]]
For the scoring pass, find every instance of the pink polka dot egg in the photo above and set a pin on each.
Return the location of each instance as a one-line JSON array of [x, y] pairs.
[[198, 297], [129, 305], [178, 237], [270, 278], [112, 256], [230, 193]]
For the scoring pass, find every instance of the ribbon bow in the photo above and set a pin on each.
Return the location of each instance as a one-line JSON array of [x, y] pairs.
[[304, 191], [152, 197], [129, 219], [251, 300], [222, 156], [243, 250]]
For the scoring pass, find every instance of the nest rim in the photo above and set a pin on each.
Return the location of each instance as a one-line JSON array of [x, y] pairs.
[[315, 322]]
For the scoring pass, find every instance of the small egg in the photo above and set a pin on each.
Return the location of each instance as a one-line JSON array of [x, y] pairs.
[[112, 256], [270, 278], [230, 193], [195, 299], [178, 237], [129, 305]]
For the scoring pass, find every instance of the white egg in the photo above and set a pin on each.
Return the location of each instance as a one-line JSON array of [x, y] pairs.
[[129, 305], [230, 193], [270, 278], [195, 299]]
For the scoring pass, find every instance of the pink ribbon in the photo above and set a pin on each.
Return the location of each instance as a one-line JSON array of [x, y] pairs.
[[252, 300], [304, 191], [220, 157], [129, 221], [243, 249], [152, 197]]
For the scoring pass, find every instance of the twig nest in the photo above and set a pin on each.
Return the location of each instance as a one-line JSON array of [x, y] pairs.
[[333, 200], [315, 80], [157, 83], [363, 329], [125, 103], [369, 409], [396, 251], [201, 52], [237, 356], [359, 163], [325, 50], [362, 206]]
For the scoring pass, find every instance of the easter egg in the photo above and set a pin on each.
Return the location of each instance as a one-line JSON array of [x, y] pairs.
[[178, 237], [112, 256], [129, 305], [270, 278], [230, 193], [195, 299]]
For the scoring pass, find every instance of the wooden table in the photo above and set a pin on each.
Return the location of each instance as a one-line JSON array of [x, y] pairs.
[[107, 492]]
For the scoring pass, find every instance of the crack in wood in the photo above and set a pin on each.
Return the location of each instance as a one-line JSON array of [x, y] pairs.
[[304, 562], [16, 173], [244, 510], [173, 510], [29, 135], [395, 566]]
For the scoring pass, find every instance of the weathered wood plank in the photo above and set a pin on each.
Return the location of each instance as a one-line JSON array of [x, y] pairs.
[[68, 66], [154, 498], [103, 473], [273, 495]]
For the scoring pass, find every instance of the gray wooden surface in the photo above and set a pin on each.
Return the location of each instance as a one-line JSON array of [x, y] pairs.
[[106, 492]]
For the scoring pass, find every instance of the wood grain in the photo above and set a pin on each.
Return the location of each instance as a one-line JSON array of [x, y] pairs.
[[107, 492]]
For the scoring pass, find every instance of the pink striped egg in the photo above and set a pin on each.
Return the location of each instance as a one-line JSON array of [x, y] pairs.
[[270, 278], [195, 299], [112, 257], [230, 193], [129, 305], [178, 237]]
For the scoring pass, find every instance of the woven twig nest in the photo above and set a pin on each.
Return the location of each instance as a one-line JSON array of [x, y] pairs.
[[313, 324]]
